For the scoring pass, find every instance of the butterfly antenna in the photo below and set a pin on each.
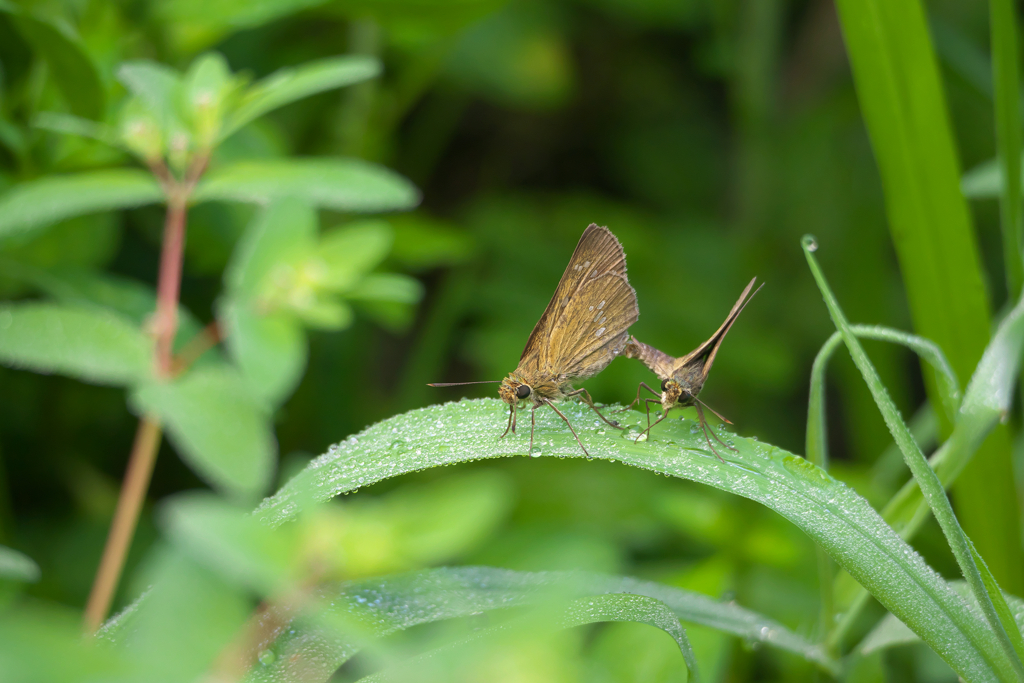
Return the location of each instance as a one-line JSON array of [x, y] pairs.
[[715, 412], [459, 384]]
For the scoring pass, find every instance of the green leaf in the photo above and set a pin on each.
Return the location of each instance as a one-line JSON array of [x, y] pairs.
[[398, 602], [388, 287], [986, 401], [216, 427], [207, 91], [269, 348], [591, 610], [157, 86], [899, 88], [284, 233], [927, 480], [93, 346], [331, 183], [295, 83], [17, 566], [71, 67], [74, 125], [1006, 77], [37, 203], [351, 251], [832, 514], [891, 632]]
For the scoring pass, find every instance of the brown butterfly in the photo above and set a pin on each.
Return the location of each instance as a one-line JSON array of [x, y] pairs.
[[583, 329], [683, 378]]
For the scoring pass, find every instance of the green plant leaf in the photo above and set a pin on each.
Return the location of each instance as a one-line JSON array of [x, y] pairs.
[[157, 85], [927, 480], [71, 67], [832, 514], [330, 183], [207, 91], [37, 203], [74, 125], [591, 610], [1006, 77], [891, 632], [270, 350], [17, 566], [216, 427], [388, 287], [899, 88], [283, 233], [353, 250], [986, 401], [295, 83], [392, 603], [90, 345]]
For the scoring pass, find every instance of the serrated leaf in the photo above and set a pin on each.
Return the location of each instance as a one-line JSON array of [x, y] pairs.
[[90, 345], [331, 183], [832, 514], [17, 566], [295, 83], [37, 203], [216, 427]]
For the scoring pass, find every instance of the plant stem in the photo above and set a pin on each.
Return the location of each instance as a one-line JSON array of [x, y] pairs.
[[126, 517], [169, 285]]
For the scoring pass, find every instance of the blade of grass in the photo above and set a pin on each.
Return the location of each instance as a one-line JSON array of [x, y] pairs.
[[987, 400], [900, 93], [927, 480], [817, 442], [831, 513], [1006, 77]]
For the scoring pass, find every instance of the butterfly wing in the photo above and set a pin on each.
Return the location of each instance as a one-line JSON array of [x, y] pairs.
[[658, 362], [703, 356], [585, 324]]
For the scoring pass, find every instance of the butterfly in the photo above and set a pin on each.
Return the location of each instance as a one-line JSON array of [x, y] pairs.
[[683, 378], [583, 329]]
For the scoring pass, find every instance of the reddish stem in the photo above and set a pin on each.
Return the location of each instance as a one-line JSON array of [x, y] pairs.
[[126, 517], [169, 285]]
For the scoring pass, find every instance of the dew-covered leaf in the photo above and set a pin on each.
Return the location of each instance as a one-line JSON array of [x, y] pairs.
[[387, 604], [216, 426], [331, 183], [436, 666], [37, 203], [90, 345], [295, 83], [17, 566], [832, 514]]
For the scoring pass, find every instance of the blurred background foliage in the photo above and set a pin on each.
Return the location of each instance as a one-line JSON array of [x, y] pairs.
[[709, 135]]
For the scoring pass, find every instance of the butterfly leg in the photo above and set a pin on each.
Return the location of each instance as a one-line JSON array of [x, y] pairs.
[[533, 425], [647, 404], [705, 428], [570, 426], [585, 397], [643, 385], [511, 423]]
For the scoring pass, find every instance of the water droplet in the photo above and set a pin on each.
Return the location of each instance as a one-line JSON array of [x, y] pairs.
[[600, 432], [536, 454], [267, 657], [809, 243]]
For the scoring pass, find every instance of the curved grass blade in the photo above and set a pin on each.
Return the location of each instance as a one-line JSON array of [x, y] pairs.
[[986, 401], [832, 514], [592, 610], [1008, 667], [382, 606]]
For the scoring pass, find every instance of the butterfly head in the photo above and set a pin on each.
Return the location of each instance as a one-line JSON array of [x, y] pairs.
[[673, 393], [513, 390]]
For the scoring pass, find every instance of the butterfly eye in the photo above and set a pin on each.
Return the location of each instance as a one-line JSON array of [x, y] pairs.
[[522, 391], [664, 385]]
